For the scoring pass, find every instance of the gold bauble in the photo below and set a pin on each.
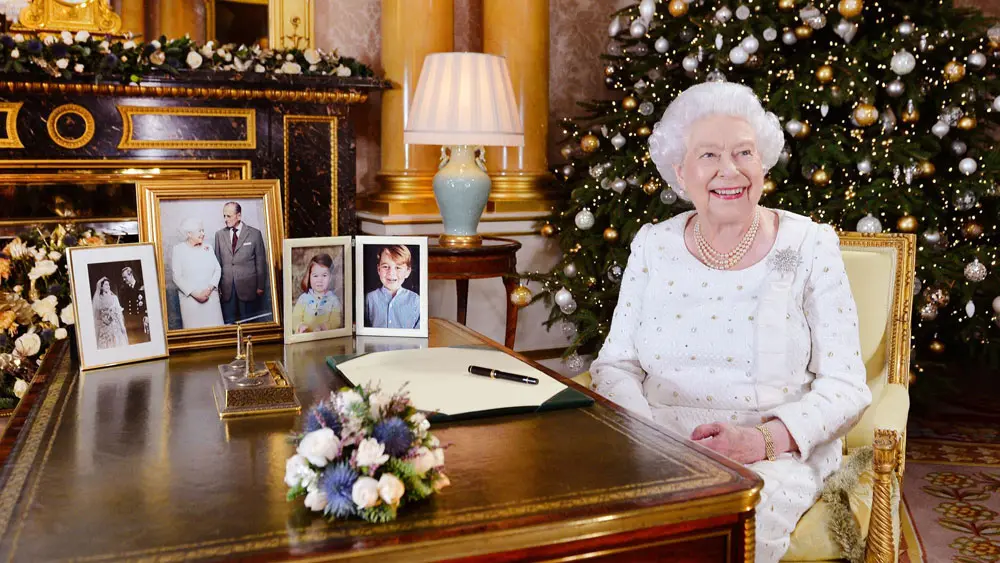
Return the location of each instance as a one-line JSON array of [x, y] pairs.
[[938, 296], [910, 115], [971, 230], [954, 71], [644, 131], [611, 234], [936, 346], [609, 70], [786, 5], [591, 281], [548, 230], [821, 177], [769, 187], [928, 312], [803, 32], [804, 132], [824, 74], [865, 114], [913, 378], [907, 224], [850, 8], [926, 168], [521, 296], [650, 187], [966, 123], [630, 103], [566, 151], [589, 142], [677, 8]]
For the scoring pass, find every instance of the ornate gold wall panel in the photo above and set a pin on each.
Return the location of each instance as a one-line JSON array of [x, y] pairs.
[[291, 23], [64, 141], [130, 113], [69, 15], [11, 140]]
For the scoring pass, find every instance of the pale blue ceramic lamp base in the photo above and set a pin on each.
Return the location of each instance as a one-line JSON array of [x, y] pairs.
[[461, 188]]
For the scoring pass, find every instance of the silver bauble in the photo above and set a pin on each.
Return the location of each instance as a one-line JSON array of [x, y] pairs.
[[865, 166], [996, 103], [975, 271], [668, 196], [574, 362], [976, 59], [646, 108], [563, 296], [788, 38], [615, 27], [640, 50], [824, 109], [715, 76], [958, 147], [970, 309], [647, 9], [895, 89], [929, 312], [842, 27], [903, 62], [738, 56], [640, 85], [750, 44], [965, 200], [784, 156], [606, 183], [637, 29], [619, 185], [770, 34], [940, 129], [917, 286], [793, 126], [661, 45], [905, 28], [719, 41], [869, 224], [967, 166], [618, 141], [996, 305], [568, 171], [723, 14], [690, 63], [888, 120], [932, 236], [615, 273], [568, 308], [569, 270], [742, 13], [584, 219]]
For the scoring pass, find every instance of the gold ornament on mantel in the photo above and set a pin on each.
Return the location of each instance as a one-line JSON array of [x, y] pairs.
[[677, 8], [821, 177], [611, 234], [907, 224], [824, 74], [865, 114], [967, 123], [69, 15], [589, 143], [954, 71], [630, 103], [521, 296]]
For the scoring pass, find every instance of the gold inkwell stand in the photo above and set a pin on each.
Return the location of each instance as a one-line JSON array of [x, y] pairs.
[[246, 387]]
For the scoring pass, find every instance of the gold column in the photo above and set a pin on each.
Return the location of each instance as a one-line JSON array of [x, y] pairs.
[[174, 18], [519, 31], [411, 29], [133, 13]]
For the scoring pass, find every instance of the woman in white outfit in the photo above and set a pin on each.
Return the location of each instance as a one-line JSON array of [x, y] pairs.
[[108, 318], [735, 326], [196, 275]]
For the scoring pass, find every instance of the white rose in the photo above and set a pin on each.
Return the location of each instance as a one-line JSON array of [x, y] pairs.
[[82, 36], [320, 446], [61, 333], [313, 67], [208, 49], [18, 38], [312, 56], [194, 59], [67, 315], [104, 47], [291, 68], [297, 472], [365, 492], [316, 500], [46, 309], [38, 253], [27, 345], [343, 71], [42, 269], [62, 63], [441, 482], [55, 255], [67, 37], [390, 489], [242, 65], [156, 44], [15, 54], [438, 457], [78, 67], [345, 399], [20, 388], [49, 39], [378, 402], [420, 421], [289, 57], [371, 453], [424, 462], [128, 45], [228, 57], [256, 68]]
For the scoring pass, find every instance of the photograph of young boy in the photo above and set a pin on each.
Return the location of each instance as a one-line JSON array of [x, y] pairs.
[[392, 305]]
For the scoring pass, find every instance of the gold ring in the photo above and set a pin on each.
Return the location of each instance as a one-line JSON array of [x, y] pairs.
[[65, 142]]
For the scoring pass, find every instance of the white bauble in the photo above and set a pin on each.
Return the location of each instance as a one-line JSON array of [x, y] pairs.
[[668, 196], [976, 59], [895, 89], [932, 236], [724, 14], [903, 62], [996, 103], [618, 141], [865, 166], [742, 13], [661, 45], [570, 270], [569, 308], [563, 297], [584, 219], [970, 309], [996, 305], [637, 29], [719, 41], [967, 166], [647, 9], [958, 147], [690, 63], [788, 38], [905, 28], [738, 56], [940, 129], [975, 271], [619, 185], [750, 44], [615, 27], [770, 34], [869, 224], [794, 127]]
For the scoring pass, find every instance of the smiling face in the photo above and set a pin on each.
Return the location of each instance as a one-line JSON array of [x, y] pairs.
[[196, 236], [105, 286], [231, 216], [319, 278], [392, 273], [722, 171]]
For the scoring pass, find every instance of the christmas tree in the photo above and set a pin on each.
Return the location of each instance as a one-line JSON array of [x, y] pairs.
[[888, 108]]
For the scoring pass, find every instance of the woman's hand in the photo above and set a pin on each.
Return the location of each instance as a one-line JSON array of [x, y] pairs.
[[302, 328], [738, 443]]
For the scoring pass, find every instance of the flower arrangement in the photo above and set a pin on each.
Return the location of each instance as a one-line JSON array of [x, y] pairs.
[[364, 454], [35, 302], [68, 55]]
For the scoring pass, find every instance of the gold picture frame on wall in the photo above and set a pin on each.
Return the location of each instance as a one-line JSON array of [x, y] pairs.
[[212, 277], [69, 15]]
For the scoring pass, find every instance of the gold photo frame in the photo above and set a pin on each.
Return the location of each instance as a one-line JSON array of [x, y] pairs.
[[208, 286]]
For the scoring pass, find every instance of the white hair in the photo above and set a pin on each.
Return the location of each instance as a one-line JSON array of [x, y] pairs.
[[190, 225], [667, 144]]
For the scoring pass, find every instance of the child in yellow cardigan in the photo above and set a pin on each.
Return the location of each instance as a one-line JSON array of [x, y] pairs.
[[318, 308]]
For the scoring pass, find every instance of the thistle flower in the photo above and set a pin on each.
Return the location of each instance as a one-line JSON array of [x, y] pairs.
[[321, 416], [395, 434], [337, 482]]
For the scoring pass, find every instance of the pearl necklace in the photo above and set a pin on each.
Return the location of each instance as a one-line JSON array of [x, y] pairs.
[[726, 260]]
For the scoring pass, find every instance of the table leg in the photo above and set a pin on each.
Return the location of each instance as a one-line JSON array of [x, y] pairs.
[[463, 299], [510, 330]]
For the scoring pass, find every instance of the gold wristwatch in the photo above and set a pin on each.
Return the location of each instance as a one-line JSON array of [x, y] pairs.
[[768, 442]]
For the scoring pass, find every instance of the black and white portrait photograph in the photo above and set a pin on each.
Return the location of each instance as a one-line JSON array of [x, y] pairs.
[[391, 285], [317, 288], [116, 296]]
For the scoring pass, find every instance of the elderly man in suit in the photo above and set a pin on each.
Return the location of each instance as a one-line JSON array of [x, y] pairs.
[[240, 250]]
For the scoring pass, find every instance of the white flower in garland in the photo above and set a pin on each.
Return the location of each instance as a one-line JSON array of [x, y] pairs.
[[49, 40], [390, 489], [298, 473], [320, 446], [62, 63], [371, 453], [291, 68], [194, 60], [42, 269], [61, 333], [365, 492], [157, 58], [82, 36], [129, 45], [67, 316], [259, 68], [67, 37], [343, 71], [208, 49], [20, 388], [27, 345], [104, 47], [316, 500], [46, 309], [15, 54], [312, 56]]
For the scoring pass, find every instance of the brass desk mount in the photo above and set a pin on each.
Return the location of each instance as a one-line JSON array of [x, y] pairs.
[[256, 389]]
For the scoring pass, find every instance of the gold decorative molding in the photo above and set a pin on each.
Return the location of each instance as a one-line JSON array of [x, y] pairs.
[[881, 547], [334, 171], [63, 141], [12, 141], [271, 94], [402, 193], [291, 24], [69, 15], [521, 192], [749, 538], [128, 140]]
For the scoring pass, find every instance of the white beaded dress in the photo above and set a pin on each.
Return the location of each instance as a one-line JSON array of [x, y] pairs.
[[691, 345]]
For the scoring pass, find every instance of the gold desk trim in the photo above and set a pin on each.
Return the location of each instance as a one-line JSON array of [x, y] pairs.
[[70, 109], [13, 141], [249, 115], [52, 15], [240, 94], [334, 122]]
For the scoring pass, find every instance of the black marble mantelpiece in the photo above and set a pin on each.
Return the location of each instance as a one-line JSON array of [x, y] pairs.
[[291, 128]]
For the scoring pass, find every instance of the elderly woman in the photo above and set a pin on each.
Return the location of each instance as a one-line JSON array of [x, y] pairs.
[[735, 325], [196, 274]]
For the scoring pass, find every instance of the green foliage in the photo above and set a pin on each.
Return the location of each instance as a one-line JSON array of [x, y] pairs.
[[379, 514]]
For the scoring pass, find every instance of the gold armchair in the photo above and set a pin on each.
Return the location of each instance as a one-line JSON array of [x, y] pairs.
[[880, 270]]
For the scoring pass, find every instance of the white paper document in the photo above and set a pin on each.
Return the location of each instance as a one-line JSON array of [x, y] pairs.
[[438, 379]]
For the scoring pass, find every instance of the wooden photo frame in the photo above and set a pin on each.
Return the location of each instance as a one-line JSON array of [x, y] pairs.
[[117, 303], [318, 288], [219, 279], [376, 309]]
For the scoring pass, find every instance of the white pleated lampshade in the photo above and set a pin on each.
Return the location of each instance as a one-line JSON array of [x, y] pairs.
[[464, 99]]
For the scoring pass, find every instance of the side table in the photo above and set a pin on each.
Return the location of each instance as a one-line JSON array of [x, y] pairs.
[[495, 258]]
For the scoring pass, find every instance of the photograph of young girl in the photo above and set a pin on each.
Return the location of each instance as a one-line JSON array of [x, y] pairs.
[[317, 288]]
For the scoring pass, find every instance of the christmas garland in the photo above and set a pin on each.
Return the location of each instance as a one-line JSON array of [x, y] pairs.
[[70, 56]]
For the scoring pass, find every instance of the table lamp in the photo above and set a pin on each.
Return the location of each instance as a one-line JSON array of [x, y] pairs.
[[463, 101]]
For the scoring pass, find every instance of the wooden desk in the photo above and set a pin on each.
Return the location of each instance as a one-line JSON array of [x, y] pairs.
[[495, 258], [134, 463]]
